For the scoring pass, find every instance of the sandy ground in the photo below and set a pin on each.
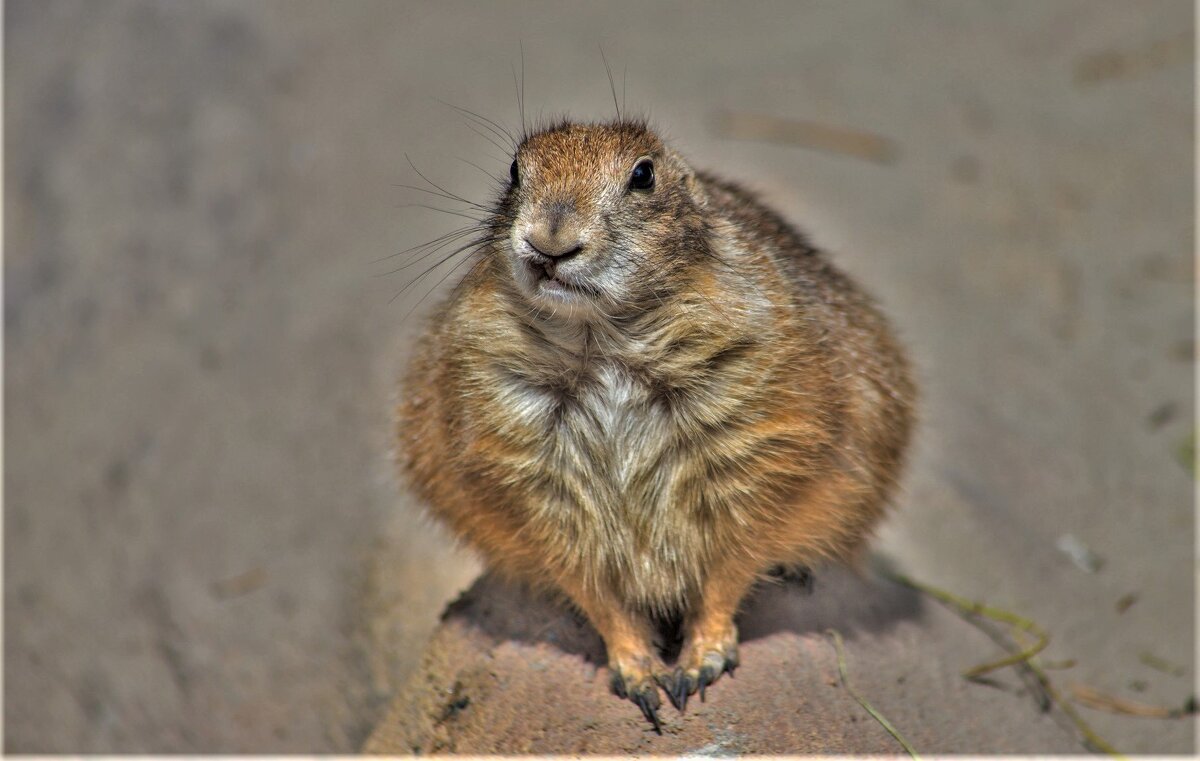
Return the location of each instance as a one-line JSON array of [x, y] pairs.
[[200, 347], [509, 673]]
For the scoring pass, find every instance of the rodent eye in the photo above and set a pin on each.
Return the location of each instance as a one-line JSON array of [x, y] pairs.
[[514, 175], [643, 175]]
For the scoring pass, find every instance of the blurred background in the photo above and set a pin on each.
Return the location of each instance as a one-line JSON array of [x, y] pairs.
[[204, 547]]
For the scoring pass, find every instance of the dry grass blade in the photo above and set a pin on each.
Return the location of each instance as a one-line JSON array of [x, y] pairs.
[[1186, 452], [1093, 698], [813, 135], [841, 661], [1069, 663], [1107, 65], [242, 584], [973, 608], [1147, 658], [971, 611], [1092, 740]]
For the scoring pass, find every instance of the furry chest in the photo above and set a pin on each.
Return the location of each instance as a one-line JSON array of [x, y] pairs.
[[599, 449], [606, 483], [611, 430]]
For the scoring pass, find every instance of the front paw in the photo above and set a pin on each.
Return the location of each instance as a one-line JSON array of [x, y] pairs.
[[702, 662], [634, 681]]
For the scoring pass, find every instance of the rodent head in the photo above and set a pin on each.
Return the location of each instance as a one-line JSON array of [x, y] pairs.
[[599, 219]]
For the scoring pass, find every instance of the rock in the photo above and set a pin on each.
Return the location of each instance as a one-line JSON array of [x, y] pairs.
[[509, 671]]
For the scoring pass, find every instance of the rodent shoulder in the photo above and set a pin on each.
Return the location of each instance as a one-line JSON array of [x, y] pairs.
[[746, 210]]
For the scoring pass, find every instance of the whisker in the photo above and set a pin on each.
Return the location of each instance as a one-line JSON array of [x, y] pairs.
[[438, 285], [496, 129], [486, 136], [521, 92], [434, 184], [611, 85], [468, 246], [435, 193], [459, 232], [425, 255], [490, 175], [624, 72], [452, 212]]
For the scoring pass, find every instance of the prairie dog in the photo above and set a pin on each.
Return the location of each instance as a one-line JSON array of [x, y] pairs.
[[648, 391]]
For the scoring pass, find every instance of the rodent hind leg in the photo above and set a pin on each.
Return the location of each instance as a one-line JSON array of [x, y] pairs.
[[632, 656], [794, 575], [710, 636]]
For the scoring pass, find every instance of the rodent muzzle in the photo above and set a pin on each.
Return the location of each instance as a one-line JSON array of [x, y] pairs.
[[556, 253], [556, 241]]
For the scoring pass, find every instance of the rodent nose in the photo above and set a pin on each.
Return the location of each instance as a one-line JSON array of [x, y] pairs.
[[559, 243]]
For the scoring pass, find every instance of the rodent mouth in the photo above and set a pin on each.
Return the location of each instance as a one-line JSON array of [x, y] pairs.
[[547, 272], [548, 279]]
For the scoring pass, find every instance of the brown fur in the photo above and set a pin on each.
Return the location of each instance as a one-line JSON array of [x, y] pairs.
[[712, 399]]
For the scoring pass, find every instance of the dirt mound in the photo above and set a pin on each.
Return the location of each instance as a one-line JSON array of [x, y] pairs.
[[511, 672]]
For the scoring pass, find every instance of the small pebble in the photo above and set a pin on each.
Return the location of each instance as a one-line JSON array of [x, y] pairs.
[[1126, 601], [1079, 553]]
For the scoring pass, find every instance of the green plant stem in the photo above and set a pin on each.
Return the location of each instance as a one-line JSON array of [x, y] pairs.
[[968, 609], [841, 661]]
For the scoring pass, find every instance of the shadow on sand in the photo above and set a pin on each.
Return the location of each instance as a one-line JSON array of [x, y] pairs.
[[840, 599]]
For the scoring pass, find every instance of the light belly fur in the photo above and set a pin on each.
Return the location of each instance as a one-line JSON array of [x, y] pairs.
[[609, 466]]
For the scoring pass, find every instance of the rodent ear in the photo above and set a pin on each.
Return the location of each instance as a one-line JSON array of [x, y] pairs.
[[695, 189]]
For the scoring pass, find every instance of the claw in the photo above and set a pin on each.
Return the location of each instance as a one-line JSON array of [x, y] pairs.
[[670, 685], [708, 675], [685, 687], [801, 576], [643, 701], [731, 662], [670, 690], [617, 685], [643, 694], [678, 687], [807, 581]]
